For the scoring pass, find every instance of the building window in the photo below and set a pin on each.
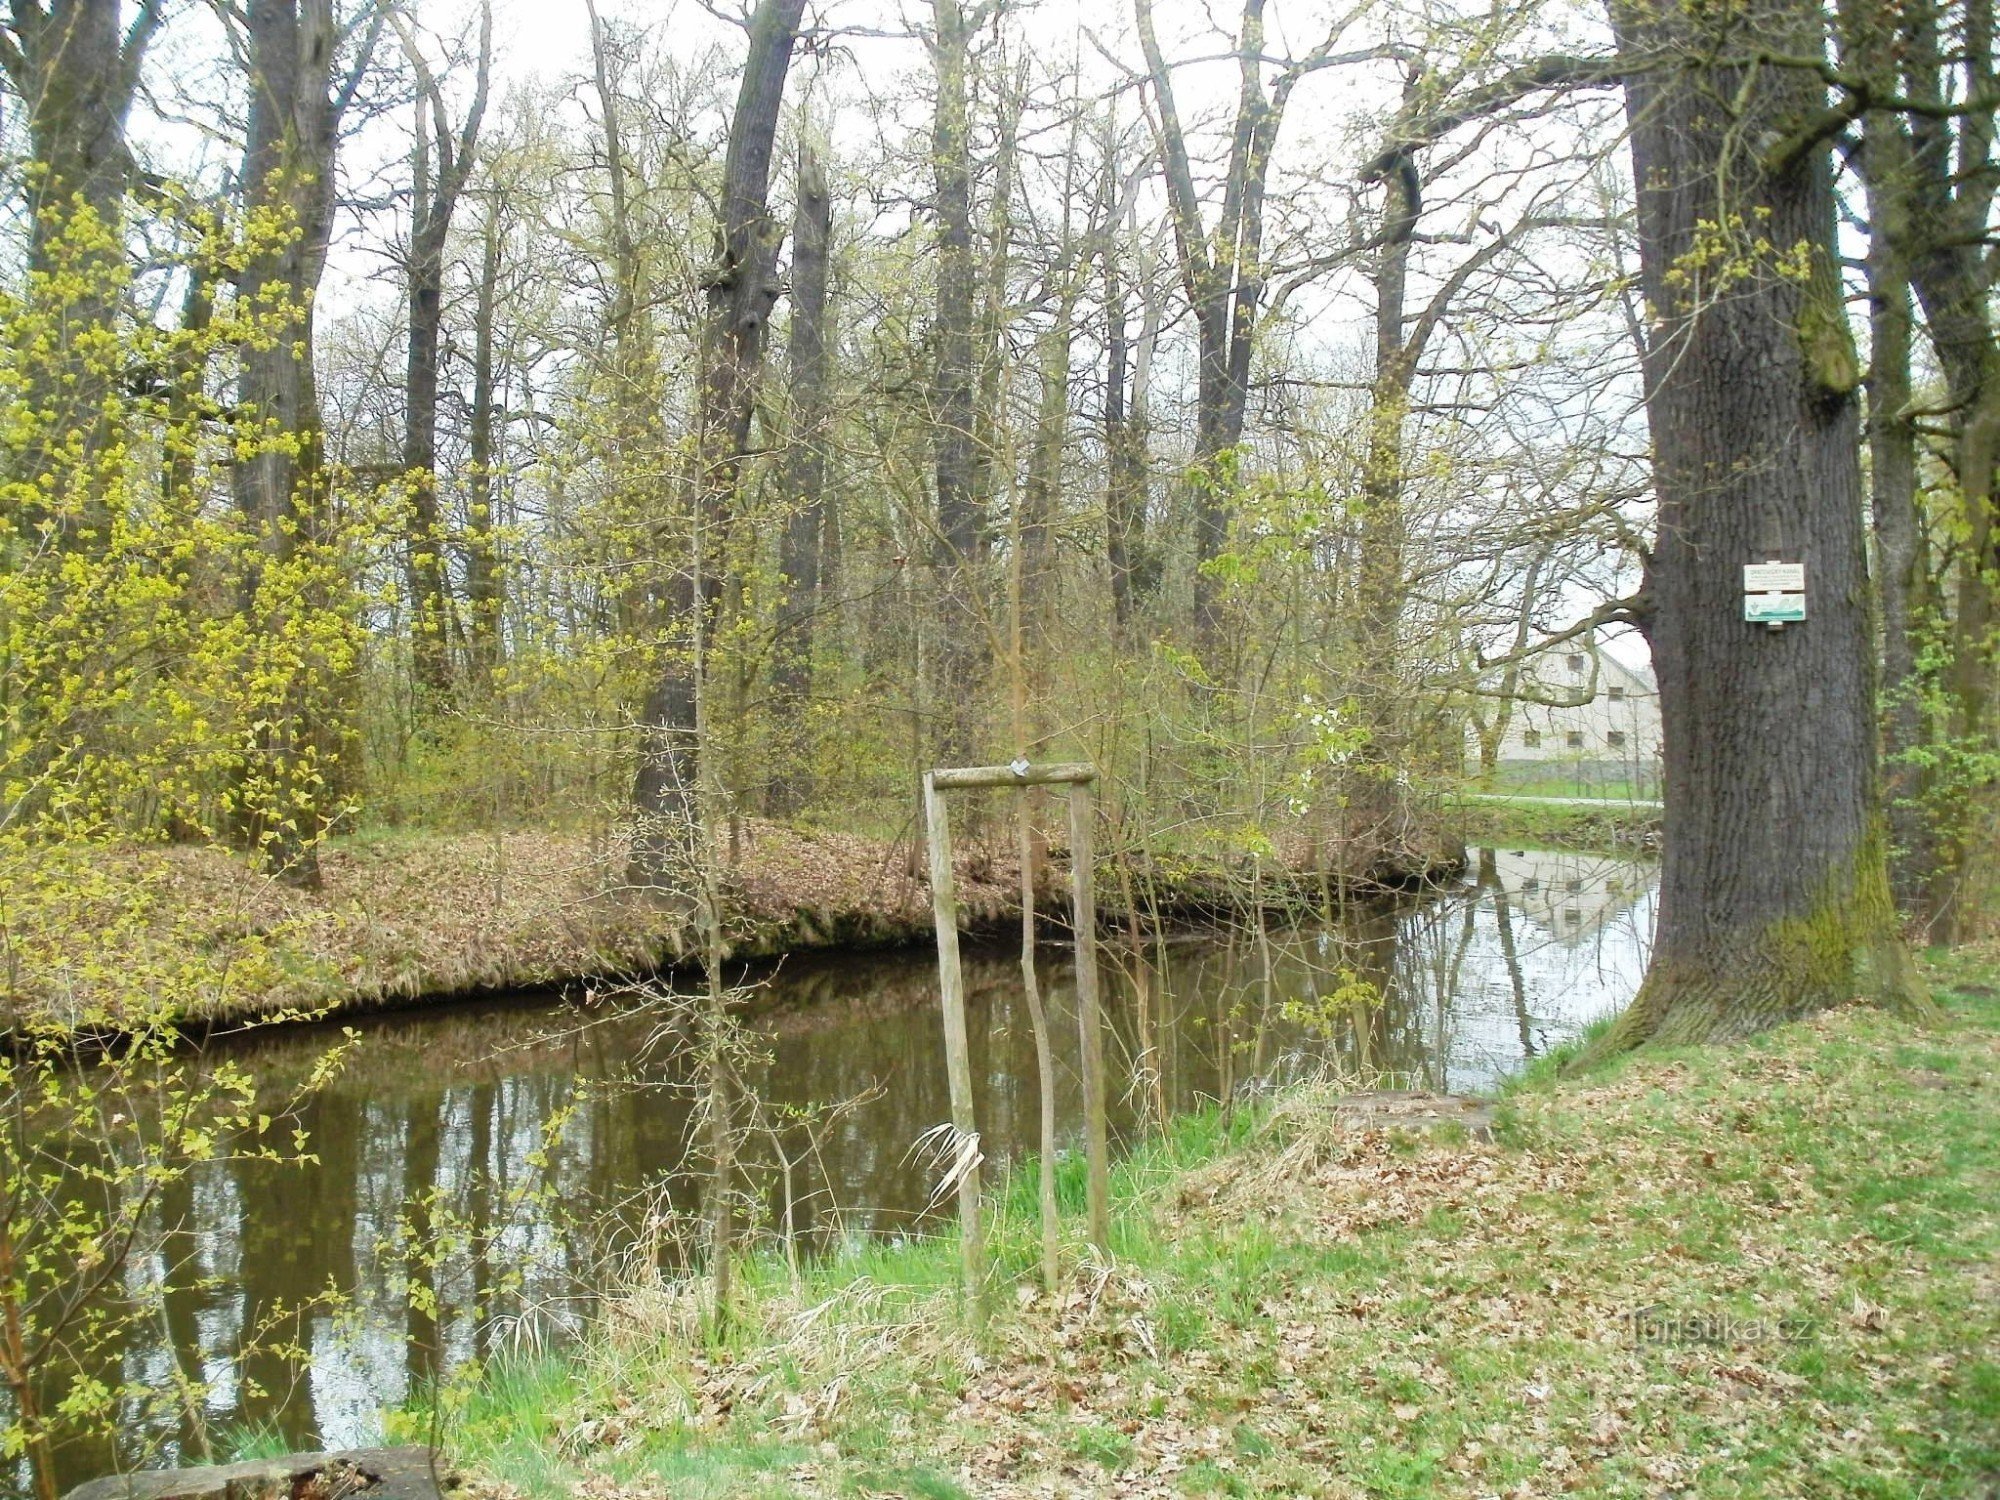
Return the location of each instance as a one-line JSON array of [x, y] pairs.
[[1532, 738], [1573, 916], [1573, 886], [1616, 739], [1530, 883], [1617, 694], [1576, 666], [1576, 739]]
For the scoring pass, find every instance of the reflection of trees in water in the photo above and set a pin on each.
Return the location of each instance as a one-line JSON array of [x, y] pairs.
[[442, 1118]]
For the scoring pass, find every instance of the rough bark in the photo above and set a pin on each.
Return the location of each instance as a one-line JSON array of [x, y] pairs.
[[1379, 583], [742, 289], [1774, 888], [805, 478]]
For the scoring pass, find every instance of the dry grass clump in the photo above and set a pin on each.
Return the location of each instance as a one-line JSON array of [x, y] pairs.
[[1318, 1131]]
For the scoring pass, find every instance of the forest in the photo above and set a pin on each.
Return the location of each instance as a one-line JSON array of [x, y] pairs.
[[499, 494]]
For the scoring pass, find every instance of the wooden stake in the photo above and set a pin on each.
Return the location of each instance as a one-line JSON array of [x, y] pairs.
[[1083, 915], [957, 1049], [1045, 1070]]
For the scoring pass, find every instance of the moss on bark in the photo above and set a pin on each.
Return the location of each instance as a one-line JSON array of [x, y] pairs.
[[1847, 946]]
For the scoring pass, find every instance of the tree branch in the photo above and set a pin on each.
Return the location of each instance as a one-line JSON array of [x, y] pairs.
[[1633, 609], [351, 85], [1557, 71]]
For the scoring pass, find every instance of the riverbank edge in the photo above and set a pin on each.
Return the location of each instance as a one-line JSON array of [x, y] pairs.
[[404, 921], [1763, 1269], [1549, 823]]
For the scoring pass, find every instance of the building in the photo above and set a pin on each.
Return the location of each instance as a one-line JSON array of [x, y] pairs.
[[1578, 719]]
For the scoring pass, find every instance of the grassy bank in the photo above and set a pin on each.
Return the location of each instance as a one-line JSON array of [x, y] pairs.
[[1758, 1271], [1527, 822]]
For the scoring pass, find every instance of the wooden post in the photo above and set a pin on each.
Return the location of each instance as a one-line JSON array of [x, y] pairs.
[[1083, 915], [957, 1049], [1083, 900]]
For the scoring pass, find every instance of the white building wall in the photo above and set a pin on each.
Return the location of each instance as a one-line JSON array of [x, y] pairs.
[[1612, 727]]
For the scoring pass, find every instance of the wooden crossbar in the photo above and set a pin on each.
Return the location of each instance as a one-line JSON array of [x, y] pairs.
[[1021, 773]]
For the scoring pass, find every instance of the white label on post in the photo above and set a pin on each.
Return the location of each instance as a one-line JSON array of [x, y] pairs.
[[1774, 578]]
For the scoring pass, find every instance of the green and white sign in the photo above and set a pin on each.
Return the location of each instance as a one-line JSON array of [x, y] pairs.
[[1774, 593], [1774, 609]]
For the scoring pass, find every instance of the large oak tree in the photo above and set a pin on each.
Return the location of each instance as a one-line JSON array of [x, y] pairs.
[[1775, 896]]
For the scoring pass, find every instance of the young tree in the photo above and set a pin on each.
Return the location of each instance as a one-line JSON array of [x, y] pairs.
[[1775, 897], [1900, 572], [485, 585], [1125, 482], [1922, 83]]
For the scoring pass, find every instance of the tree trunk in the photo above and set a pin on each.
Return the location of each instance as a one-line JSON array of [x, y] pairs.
[[75, 72], [1044, 478], [1379, 585], [1930, 181], [1898, 523], [1224, 288], [635, 441], [296, 104], [742, 289], [485, 588], [1124, 419], [959, 542], [805, 476], [433, 201], [1774, 888], [1952, 183], [187, 381]]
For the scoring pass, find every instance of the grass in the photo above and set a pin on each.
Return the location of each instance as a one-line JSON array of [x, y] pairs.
[[1557, 785], [241, 1442], [1767, 1270], [1552, 825]]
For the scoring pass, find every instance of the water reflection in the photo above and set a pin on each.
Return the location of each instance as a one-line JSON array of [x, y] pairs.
[[524, 1144]]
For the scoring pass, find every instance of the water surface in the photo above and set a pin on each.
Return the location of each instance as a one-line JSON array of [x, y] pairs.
[[538, 1139]]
